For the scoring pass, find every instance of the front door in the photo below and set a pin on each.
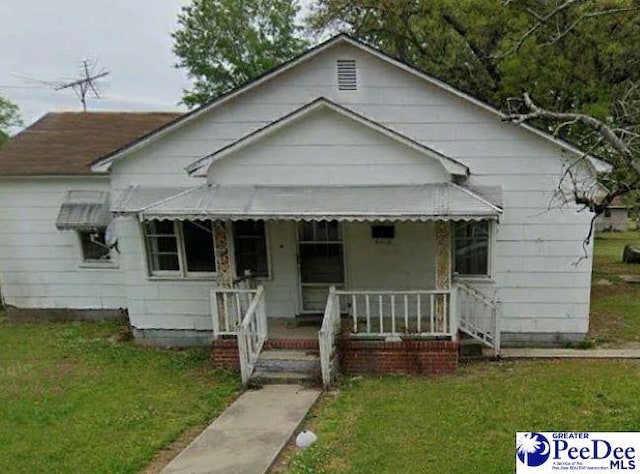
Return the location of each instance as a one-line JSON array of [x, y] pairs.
[[320, 262]]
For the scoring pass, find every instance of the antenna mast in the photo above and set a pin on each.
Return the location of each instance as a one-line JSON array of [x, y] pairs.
[[85, 84]]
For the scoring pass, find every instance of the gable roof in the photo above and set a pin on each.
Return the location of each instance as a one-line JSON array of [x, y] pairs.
[[103, 163], [452, 166], [66, 143]]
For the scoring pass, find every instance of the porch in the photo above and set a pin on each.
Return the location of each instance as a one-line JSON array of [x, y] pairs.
[[410, 331]]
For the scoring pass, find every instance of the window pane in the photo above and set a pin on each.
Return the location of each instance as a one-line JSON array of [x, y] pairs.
[[160, 227], [198, 246], [471, 248], [319, 231], [321, 263], [162, 245], [93, 246], [250, 245]]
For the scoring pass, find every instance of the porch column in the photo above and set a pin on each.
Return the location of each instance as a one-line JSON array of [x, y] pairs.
[[443, 268], [223, 258]]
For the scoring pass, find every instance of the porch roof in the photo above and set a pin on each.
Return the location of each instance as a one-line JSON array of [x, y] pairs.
[[441, 201]]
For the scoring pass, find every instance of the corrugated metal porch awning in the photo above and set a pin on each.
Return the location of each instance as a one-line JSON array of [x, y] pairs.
[[84, 210], [442, 201]]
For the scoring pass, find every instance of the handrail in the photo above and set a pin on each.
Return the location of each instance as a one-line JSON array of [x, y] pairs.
[[228, 307], [479, 316], [327, 337], [252, 332]]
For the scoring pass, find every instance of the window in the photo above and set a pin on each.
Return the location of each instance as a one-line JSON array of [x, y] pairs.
[[94, 248], [607, 212], [471, 245], [250, 245], [180, 248]]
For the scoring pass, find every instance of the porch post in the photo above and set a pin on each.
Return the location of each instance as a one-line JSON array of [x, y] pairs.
[[223, 258], [443, 273]]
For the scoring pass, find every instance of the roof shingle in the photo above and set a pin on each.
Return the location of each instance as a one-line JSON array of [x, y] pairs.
[[66, 143]]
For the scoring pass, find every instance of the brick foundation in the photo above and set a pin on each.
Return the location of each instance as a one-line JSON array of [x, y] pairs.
[[361, 357], [224, 354], [405, 357]]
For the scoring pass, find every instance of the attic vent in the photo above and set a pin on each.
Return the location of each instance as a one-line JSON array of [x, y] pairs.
[[347, 75]]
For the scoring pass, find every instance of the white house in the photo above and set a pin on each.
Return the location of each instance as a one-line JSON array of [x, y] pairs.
[[342, 168]]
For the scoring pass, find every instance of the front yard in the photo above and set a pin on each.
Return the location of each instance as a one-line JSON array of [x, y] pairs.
[[465, 422], [615, 304], [72, 401]]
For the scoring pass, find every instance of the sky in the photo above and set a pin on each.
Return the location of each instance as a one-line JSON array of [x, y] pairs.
[[45, 40]]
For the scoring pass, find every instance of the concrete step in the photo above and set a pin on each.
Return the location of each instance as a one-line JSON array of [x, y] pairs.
[[267, 377], [283, 360]]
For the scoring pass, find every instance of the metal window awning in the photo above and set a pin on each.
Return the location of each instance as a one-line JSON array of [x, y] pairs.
[[441, 201], [84, 210]]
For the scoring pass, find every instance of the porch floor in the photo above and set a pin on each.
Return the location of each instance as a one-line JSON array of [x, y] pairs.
[[289, 328]]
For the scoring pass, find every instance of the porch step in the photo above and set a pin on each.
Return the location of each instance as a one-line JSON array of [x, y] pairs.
[[288, 361], [287, 366], [266, 377]]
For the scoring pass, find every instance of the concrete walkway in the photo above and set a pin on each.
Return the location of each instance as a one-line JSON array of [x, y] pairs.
[[249, 434], [570, 353]]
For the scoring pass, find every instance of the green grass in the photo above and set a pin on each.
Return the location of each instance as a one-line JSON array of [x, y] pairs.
[[615, 308], [71, 401], [608, 247], [465, 422]]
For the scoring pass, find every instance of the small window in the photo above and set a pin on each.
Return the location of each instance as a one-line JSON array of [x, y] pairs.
[[162, 246], [347, 74], [94, 248], [471, 245], [250, 245], [382, 232], [607, 212]]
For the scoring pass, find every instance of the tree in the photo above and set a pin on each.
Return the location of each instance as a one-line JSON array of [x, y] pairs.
[[225, 43], [9, 117], [571, 67]]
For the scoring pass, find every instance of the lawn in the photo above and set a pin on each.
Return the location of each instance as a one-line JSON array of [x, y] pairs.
[[615, 307], [465, 422], [72, 401]]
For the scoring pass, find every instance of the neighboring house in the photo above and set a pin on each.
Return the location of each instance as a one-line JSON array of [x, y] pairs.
[[342, 168], [615, 218]]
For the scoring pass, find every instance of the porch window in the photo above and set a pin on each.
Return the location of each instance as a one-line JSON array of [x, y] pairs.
[[180, 249], [250, 245], [94, 247], [471, 246]]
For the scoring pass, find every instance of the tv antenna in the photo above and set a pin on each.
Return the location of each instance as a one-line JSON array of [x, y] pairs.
[[87, 83]]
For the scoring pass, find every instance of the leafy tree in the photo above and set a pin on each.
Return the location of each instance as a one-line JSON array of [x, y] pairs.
[[571, 66], [9, 117], [225, 43]]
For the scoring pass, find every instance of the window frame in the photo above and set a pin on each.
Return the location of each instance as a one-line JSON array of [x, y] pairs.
[[91, 262], [491, 235], [182, 273], [232, 243]]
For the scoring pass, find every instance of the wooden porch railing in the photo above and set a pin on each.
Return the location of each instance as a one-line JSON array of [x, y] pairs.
[[228, 307], [478, 316], [423, 313], [252, 333], [327, 337]]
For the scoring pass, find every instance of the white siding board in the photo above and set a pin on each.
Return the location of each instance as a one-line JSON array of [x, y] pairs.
[[533, 242], [41, 266]]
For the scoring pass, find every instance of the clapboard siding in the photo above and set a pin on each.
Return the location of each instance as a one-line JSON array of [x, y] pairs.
[[41, 267], [534, 239], [160, 303]]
